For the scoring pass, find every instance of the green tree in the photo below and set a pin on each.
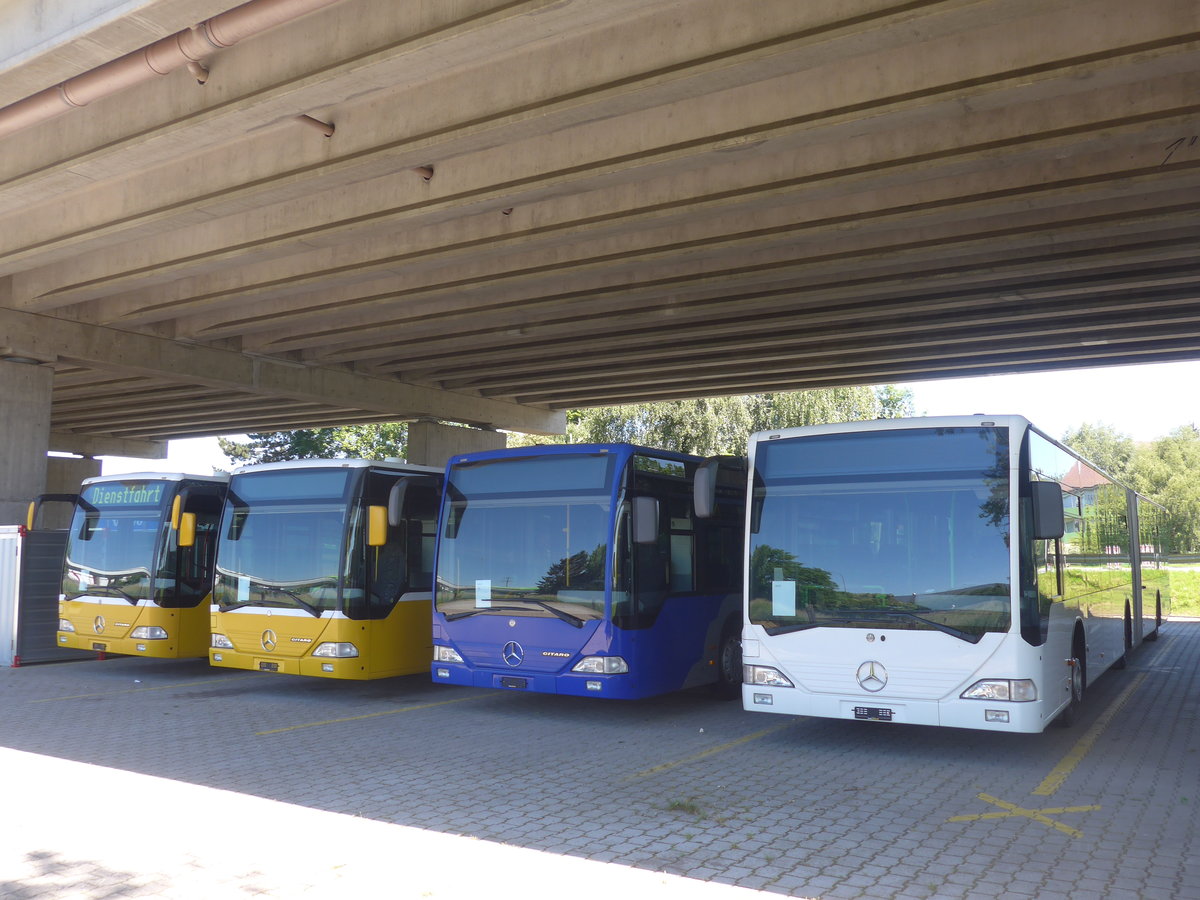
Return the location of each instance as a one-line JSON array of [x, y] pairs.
[[714, 425], [1103, 446], [1168, 472], [705, 426], [374, 441]]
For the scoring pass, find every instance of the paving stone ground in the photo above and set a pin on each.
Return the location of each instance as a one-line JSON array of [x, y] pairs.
[[141, 778]]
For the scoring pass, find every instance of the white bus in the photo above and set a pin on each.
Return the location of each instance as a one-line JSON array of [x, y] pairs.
[[965, 571]]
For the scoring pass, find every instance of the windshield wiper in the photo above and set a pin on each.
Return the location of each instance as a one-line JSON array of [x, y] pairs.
[[954, 632], [788, 629], [565, 616], [111, 589], [450, 617], [304, 604], [315, 611], [562, 614]]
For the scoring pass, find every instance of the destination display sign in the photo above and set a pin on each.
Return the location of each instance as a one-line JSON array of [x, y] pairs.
[[130, 493]]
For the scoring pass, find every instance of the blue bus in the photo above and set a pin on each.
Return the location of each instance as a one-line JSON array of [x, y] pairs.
[[583, 569]]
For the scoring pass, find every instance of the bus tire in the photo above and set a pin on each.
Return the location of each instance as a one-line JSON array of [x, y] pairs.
[[1078, 675], [1153, 635], [729, 664], [1121, 661]]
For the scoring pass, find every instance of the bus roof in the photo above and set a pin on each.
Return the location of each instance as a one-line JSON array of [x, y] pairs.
[[966, 421], [153, 476], [567, 449], [397, 465]]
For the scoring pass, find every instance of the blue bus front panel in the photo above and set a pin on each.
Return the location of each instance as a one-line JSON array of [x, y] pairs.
[[539, 654]]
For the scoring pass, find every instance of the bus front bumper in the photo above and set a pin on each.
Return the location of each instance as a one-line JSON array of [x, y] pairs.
[[349, 668], [619, 687], [154, 649], [957, 713]]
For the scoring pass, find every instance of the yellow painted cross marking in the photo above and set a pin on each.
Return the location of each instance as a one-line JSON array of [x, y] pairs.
[[374, 715], [1058, 775], [1038, 815], [719, 748]]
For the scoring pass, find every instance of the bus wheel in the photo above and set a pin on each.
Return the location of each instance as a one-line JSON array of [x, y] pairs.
[[1078, 676], [1120, 662], [729, 665], [1153, 636]]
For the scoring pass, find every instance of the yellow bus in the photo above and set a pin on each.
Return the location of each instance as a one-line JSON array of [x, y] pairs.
[[138, 565], [325, 568]]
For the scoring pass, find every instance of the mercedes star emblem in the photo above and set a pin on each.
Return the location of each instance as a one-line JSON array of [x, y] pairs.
[[872, 676], [513, 653], [98, 625], [268, 640]]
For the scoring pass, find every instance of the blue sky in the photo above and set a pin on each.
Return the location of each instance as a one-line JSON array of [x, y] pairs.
[[1144, 402]]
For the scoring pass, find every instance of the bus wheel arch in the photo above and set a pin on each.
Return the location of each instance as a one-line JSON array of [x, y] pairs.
[[729, 661]]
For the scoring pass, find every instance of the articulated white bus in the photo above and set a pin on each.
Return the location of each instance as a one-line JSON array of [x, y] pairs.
[[964, 571]]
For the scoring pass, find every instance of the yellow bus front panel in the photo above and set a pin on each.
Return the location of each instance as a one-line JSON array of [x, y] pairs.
[[327, 647], [144, 630]]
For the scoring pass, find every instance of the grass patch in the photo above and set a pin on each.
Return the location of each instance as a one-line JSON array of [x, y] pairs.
[[1185, 592], [691, 807]]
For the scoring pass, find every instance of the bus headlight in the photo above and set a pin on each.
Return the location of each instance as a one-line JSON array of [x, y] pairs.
[[220, 642], [65, 625], [765, 675], [1016, 690], [149, 633], [342, 650], [442, 653], [601, 665]]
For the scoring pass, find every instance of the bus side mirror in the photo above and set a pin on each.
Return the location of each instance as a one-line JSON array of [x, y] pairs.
[[395, 504], [1048, 521], [187, 529], [704, 489], [176, 508], [645, 520], [377, 525], [704, 483]]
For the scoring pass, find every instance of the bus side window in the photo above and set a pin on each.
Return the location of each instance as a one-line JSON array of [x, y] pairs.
[[682, 545]]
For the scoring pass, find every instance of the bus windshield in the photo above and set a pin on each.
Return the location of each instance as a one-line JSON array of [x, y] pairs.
[[282, 534], [903, 529], [526, 536], [110, 548]]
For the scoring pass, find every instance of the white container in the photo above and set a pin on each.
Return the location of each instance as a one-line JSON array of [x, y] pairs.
[[10, 591]]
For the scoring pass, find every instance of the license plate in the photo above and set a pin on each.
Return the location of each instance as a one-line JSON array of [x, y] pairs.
[[873, 713], [509, 682], [98, 646], [268, 667]]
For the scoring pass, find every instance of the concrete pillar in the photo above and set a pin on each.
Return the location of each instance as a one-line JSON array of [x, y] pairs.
[[64, 474], [431, 443], [24, 436]]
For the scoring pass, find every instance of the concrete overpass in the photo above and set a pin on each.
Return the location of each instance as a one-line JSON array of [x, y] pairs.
[[292, 213]]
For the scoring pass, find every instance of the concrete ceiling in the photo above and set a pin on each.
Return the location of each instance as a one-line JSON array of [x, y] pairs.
[[535, 205]]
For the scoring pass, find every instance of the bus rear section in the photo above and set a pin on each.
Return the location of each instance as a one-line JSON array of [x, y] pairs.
[[581, 570], [324, 568], [932, 571], [138, 565]]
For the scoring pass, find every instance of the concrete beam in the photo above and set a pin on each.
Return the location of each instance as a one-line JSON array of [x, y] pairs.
[[63, 38], [50, 339], [99, 445]]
